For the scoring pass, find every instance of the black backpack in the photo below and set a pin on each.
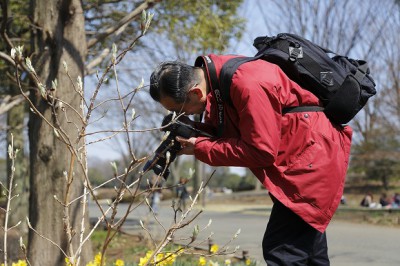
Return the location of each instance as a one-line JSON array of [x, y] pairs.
[[341, 83]]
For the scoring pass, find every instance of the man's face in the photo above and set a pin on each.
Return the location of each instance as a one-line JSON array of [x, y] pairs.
[[192, 105]]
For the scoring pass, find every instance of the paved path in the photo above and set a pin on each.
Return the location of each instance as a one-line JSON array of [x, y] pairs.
[[349, 244]]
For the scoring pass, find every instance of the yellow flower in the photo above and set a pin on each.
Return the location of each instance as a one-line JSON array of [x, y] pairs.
[[170, 259], [159, 256], [144, 260], [19, 263], [67, 262], [214, 248], [97, 259], [248, 262], [228, 262], [119, 263], [202, 261]]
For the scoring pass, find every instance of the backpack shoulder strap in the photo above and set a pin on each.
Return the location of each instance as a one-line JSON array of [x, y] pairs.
[[205, 61], [227, 72]]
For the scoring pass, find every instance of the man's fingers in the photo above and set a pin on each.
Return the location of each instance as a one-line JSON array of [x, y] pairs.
[[182, 140], [187, 145]]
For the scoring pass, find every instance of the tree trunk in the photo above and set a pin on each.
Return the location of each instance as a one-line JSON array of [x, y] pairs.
[[19, 205], [59, 36]]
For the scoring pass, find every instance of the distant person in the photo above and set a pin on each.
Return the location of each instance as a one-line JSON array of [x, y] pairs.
[[396, 200], [367, 201], [182, 193], [384, 200], [343, 200]]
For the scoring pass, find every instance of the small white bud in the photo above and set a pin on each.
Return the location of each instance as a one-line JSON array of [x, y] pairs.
[[54, 84], [13, 51], [114, 166], [29, 65], [133, 113], [237, 233], [149, 18], [209, 223], [196, 231], [65, 66], [10, 151], [56, 133], [16, 52], [21, 243], [19, 50], [144, 15], [42, 89], [141, 84], [80, 83]]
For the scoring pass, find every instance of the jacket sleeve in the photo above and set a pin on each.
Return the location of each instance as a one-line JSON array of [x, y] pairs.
[[258, 108]]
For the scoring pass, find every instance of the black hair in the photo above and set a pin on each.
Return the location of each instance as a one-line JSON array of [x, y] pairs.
[[172, 79]]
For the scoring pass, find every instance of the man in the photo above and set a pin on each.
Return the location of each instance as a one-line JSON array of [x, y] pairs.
[[301, 158]]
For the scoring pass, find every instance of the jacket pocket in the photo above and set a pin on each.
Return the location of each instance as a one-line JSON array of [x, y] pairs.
[[304, 161]]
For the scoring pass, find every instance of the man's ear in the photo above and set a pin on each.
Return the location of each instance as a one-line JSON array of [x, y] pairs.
[[195, 94]]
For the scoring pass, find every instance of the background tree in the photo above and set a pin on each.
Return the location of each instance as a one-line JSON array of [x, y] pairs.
[[59, 37]]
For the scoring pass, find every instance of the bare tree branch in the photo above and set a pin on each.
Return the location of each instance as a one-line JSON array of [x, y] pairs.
[[9, 102], [125, 20], [7, 58], [96, 61]]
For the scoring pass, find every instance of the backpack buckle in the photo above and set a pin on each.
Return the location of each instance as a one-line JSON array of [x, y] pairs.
[[295, 53], [326, 78]]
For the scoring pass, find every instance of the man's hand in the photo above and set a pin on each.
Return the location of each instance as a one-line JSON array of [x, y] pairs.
[[187, 145]]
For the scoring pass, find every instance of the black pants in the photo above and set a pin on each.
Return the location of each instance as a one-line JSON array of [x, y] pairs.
[[288, 240]]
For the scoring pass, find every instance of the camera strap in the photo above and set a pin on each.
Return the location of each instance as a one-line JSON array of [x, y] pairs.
[[215, 88]]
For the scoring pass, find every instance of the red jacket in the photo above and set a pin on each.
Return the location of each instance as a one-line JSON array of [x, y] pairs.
[[301, 158]]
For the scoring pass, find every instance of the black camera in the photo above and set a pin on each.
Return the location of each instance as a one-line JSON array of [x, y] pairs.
[[176, 127]]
